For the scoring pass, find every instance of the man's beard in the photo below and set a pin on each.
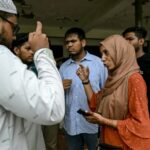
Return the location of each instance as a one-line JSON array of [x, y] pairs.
[[4, 41], [28, 63]]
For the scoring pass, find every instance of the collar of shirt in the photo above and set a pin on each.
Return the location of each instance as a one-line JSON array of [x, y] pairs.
[[86, 57]]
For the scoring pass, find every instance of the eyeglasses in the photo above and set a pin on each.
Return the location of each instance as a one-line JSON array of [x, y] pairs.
[[15, 27]]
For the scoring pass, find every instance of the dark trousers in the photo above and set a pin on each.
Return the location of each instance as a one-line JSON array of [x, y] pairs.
[[78, 142]]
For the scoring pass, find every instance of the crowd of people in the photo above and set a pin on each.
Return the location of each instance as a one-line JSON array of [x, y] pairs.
[[103, 103]]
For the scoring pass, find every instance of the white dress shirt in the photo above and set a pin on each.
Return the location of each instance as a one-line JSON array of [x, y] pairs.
[[26, 102]]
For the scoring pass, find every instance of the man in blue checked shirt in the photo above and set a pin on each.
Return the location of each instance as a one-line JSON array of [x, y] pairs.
[[79, 132]]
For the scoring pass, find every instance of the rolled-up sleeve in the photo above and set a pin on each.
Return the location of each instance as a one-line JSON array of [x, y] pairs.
[[39, 100]]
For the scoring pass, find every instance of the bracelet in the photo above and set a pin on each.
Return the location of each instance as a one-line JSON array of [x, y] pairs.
[[86, 82]]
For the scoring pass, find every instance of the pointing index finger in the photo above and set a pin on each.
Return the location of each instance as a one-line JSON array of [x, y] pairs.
[[39, 27]]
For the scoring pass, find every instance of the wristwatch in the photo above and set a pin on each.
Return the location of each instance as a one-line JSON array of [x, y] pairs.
[[86, 82]]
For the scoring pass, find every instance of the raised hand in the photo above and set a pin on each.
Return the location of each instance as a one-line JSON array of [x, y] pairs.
[[83, 73], [37, 39]]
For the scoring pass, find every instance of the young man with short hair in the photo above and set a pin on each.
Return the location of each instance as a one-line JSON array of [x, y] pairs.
[[22, 49], [78, 131], [136, 37]]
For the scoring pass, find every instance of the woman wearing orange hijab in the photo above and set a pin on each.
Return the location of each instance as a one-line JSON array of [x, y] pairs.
[[122, 106]]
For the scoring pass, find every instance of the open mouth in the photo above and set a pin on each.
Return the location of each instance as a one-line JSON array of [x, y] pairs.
[[105, 65]]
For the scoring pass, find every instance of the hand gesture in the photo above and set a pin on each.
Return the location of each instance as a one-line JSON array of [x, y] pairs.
[[83, 73], [37, 39]]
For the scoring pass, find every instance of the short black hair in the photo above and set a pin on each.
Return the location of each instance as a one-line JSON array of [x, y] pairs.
[[21, 38], [78, 31], [140, 32]]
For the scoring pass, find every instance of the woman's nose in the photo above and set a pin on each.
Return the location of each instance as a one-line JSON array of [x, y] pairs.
[[103, 58]]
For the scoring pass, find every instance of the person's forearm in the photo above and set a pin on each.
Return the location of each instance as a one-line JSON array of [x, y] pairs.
[[109, 122], [47, 71], [88, 90]]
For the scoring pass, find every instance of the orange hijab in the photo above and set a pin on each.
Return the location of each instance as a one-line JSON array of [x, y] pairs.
[[114, 101]]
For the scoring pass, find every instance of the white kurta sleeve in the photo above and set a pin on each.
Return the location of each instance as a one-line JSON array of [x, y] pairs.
[[40, 100]]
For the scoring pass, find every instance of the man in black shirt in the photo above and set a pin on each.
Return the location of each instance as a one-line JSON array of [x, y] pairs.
[[136, 36]]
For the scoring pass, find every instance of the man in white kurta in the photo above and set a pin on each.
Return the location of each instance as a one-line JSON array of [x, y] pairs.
[[26, 101]]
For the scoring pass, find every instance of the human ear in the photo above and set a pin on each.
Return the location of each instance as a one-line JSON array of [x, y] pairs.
[[83, 43], [17, 51], [141, 41]]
